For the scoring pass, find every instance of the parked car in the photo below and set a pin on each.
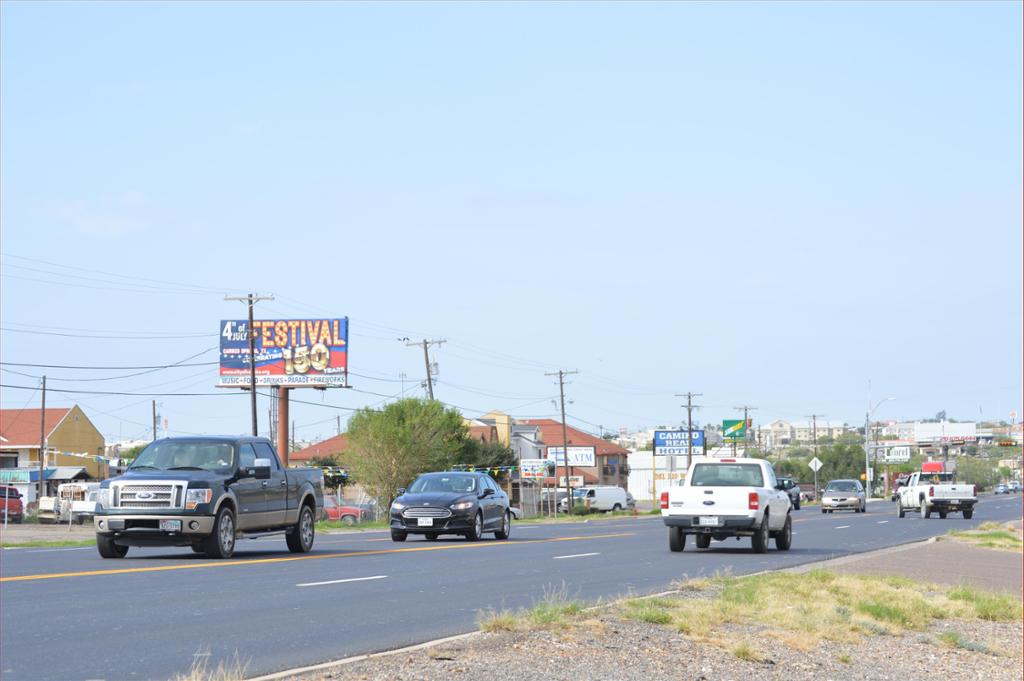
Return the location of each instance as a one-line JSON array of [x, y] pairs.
[[13, 509], [75, 502], [597, 498], [723, 498], [630, 501], [469, 504], [349, 515], [840, 495], [1001, 489], [205, 492], [790, 487], [1014, 486]]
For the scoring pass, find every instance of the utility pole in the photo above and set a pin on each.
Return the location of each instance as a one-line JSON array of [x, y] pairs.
[[155, 419], [690, 406], [251, 299], [426, 360], [746, 409], [565, 438], [814, 432], [42, 444], [339, 425]]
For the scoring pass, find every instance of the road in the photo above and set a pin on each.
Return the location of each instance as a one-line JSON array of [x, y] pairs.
[[68, 615]]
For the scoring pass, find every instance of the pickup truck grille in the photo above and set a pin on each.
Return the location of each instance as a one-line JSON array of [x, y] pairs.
[[424, 512], [162, 495]]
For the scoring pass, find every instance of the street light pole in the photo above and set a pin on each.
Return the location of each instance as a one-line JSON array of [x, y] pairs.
[[867, 444]]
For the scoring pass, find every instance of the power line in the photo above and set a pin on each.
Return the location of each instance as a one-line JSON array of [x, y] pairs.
[[114, 274], [78, 335], [148, 370]]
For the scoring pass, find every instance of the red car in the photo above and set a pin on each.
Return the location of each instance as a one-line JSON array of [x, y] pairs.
[[350, 515], [12, 509]]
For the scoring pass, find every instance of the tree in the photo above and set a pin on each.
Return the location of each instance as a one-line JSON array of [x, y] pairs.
[[843, 459], [484, 454], [391, 447], [978, 472]]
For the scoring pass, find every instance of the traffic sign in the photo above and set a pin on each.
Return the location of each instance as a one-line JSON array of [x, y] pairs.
[[815, 464]]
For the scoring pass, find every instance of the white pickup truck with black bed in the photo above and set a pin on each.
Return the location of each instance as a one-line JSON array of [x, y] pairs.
[[723, 498]]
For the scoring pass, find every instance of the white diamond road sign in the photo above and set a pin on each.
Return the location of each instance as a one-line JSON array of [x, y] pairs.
[[815, 464]]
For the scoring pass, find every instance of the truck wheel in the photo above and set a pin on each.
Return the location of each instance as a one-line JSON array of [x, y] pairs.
[[900, 511], [398, 535], [703, 541], [797, 507], [108, 549], [477, 532], [300, 539], [616, 507], [784, 539], [823, 511], [968, 513], [221, 542], [759, 542], [942, 515], [676, 539], [349, 520], [197, 548], [925, 511], [506, 527]]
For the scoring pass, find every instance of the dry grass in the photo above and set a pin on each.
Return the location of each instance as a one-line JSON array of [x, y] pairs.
[[226, 670], [802, 610], [553, 611], [1003, 537]]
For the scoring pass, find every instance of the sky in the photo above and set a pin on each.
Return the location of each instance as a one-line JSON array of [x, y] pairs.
[[799, 207]]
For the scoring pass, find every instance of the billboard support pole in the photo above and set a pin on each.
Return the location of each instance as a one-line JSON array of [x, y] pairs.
[[282, 424], [251, 299]]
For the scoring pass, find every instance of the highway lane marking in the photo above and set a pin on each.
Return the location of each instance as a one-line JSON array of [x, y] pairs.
[[576, 555], [882, 522], [343, 581], [290, 559], [843, 527]]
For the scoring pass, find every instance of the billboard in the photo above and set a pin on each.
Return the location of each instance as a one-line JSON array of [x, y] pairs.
[[533, 468], [676, 443], [578, 456], [734, 430], [289, 352]]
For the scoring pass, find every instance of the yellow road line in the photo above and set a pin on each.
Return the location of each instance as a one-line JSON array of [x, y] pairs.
[[289, 559]]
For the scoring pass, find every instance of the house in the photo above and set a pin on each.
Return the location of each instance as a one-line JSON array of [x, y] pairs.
[[325, 449], [608, 464], [71, 440]]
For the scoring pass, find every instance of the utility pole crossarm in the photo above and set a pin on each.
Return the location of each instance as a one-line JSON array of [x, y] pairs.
[[425, 344], [690, 406]]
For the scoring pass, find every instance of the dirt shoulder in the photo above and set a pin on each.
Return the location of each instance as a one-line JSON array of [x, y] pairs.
[[882, 617], [35, 534]]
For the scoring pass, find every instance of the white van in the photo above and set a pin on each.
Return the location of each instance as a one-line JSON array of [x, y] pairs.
[[600, 498]]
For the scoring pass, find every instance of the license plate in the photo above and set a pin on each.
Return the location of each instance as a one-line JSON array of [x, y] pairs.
[[170, 525], [708, 520], [425, 522]]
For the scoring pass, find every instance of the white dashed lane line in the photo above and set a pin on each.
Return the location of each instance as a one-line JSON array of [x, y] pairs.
[[577, 555], [343, 581], [843, 527]]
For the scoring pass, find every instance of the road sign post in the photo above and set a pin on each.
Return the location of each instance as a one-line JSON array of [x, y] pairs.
[[815, 464]]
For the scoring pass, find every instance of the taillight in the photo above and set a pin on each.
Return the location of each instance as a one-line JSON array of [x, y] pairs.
[[664, 499], [753, 503], [931, 491]]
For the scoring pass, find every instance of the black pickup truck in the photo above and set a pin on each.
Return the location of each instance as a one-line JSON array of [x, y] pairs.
[[205, 492]]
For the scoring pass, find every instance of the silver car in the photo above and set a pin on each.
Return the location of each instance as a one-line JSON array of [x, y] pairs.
[[844, 495]]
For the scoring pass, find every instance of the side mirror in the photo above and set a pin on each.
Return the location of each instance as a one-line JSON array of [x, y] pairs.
[[486, 493], [261, 469], [401, 491]]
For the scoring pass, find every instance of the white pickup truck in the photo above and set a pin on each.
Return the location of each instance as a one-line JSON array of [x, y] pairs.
[[723, 498], [928, 491]]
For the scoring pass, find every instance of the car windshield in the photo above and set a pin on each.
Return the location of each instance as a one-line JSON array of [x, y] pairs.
[[207, 455], [727, 475], [454, 483], [842, 486]]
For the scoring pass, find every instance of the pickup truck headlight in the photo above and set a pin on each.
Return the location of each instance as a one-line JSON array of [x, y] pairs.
[[397, 505], [194, 497], [462, 506], [103, 497]]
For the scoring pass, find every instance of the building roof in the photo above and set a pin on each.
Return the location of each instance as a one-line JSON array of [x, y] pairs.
[[20, 427], [484, 433], [325, 448], [551, 434]]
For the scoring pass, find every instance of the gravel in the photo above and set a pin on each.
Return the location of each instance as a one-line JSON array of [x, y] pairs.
[[605, 646]]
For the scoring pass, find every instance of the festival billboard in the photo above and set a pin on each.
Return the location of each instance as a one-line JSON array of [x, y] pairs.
[[295, 353]]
